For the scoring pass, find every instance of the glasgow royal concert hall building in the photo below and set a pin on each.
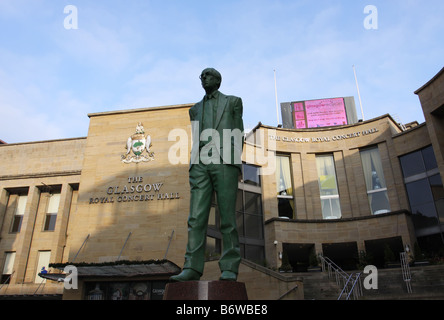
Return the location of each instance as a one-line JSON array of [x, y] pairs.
[[114, 204]]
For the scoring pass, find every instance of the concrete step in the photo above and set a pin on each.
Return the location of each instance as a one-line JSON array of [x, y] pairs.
[[427, 283], [318, 286]]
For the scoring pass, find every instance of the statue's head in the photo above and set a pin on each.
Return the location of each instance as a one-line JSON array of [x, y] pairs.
[[211, 79]]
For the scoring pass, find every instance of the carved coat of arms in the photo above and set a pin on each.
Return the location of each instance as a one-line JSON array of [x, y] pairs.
[[138, 147]]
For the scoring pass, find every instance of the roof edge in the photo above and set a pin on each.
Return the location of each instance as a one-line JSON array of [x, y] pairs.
[[330, 127], [41, 141], [430, 81], [107, 113]]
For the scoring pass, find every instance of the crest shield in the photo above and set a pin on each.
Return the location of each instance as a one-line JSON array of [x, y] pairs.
[[138, 143], [138, 147]]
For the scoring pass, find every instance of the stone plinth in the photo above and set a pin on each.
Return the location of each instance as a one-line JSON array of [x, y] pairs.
[[205, 290]]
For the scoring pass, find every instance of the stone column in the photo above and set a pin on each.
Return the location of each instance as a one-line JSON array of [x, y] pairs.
[[25, 236], [59, 239]]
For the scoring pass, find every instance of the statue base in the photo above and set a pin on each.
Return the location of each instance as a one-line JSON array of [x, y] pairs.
[[205, 290]]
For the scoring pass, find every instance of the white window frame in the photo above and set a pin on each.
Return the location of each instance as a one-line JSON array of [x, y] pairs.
[[330, 196]]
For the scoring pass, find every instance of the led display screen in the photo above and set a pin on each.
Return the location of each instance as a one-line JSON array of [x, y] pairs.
[[319, 113]]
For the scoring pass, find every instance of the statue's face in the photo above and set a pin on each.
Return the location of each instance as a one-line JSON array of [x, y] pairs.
[[209, 81]]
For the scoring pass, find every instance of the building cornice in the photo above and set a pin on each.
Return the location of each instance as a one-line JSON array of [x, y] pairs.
[[430, 81], [42, 141], [41, 175], [341, 220], [320, 129], [108, 113]]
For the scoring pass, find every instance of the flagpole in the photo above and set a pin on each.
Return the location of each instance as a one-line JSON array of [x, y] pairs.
[[275, 93], [359, 95]]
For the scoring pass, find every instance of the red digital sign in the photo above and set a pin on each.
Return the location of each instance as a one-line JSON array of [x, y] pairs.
[[319, 113]]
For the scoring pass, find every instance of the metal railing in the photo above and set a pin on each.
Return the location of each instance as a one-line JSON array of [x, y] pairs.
[[6, 281], [352, 288], [288, 292], [406, 275], [350, 284], [334, 270]]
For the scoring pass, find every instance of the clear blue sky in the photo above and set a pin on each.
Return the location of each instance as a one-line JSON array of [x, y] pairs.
[[140, 53]]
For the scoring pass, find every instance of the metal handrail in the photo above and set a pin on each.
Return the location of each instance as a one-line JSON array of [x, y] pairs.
[[356, 294], [406, 275], [6, 280], [333, 267], [342, 278], [286, 293], [345, 287], [329, 261]]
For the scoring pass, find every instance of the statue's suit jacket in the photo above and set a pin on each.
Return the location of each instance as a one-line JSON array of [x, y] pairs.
[[229, 116]]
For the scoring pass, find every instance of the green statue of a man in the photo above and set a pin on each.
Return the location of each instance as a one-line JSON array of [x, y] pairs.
[[215, 167]]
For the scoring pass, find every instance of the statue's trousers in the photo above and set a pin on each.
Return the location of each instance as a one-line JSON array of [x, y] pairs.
[[204, 179]]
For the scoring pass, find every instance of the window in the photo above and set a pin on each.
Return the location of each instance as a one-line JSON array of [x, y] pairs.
[[43, 262], [8, 267], [249, 216], [374, 181], [19, 213], [251, 175], [421, 202], [51, 212], [424, 190], [437, 189], [252, 212], [284, 187], [331, 208]]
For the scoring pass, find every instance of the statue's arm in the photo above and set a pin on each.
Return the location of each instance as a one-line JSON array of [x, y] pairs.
[[238, 121], [191, 113], [238, 110]]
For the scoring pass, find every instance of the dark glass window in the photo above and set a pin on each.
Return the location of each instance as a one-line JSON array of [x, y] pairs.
[[421, 203], [424, 190], [249, 217], [438, 195], [419, 192], [50, 222], [429, 158], [251, 175], [412, 164], [253, 203], [254, 223], [17, 223]]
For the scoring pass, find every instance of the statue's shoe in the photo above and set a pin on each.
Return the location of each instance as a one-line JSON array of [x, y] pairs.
[[228, 276], [186, 275]]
